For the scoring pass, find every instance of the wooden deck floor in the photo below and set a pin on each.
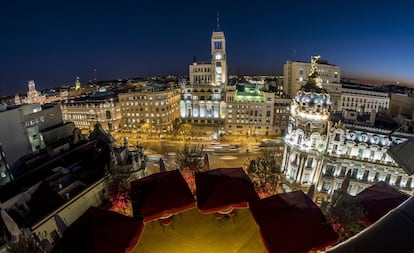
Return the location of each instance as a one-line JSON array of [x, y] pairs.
[[193, 232]]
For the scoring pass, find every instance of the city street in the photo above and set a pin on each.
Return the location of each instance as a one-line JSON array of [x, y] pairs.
[[167, 150], [230, 152]]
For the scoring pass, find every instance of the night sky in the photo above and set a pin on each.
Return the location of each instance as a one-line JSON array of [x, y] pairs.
[[52, 42]]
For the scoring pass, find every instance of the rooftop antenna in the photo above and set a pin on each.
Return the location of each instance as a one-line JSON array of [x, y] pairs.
[[218, 21], [94, 76]]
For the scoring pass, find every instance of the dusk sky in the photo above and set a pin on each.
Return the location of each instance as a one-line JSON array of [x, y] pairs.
[[52, 42]]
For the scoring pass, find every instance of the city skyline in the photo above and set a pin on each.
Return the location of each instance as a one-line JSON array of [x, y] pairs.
[[53, 43]]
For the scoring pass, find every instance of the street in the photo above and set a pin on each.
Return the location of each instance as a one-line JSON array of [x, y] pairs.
[[230, 152]]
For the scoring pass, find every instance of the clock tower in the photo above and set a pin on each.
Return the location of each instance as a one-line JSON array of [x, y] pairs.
[[218, 58], [306, 140], [203, 100]]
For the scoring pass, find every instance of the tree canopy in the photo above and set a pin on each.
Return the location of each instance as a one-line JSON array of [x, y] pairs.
[[191, 157], [344, 214]]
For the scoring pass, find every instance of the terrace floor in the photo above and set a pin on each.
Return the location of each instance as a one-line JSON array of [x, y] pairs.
[[193, 232]]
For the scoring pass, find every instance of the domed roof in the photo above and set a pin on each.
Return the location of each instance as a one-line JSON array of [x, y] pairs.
[[313, 93], [312, 96]]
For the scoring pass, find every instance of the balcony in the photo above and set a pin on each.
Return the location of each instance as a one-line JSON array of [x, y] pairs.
[[328, 175]]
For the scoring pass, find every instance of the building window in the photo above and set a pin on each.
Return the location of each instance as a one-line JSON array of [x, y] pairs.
[[388, 178], [309, 162], [326, 186], [299, 139], [108, 114], [409, 181], [218, 45], [398, 181]]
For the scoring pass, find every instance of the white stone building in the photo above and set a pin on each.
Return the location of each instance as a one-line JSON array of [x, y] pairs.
[[320, 152], [250, 111], [362, 99], [203, 97], [152, 109], [296, 74], [22, 129], [101, 107]]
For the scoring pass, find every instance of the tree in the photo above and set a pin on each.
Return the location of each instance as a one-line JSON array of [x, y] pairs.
[[191, 157], [266, 173], [118, 191], [190, 160], [344, 214], [26, 244]]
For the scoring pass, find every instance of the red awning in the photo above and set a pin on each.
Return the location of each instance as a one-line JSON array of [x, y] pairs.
[[99, 230], [378, 199], [291, 222], [223, 189], [160, 194]]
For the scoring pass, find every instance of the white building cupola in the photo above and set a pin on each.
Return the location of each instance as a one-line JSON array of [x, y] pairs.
[[312, 101]]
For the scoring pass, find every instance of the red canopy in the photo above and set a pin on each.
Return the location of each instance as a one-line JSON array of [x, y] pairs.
[[99, 230], [378, 199], [222, 189], [291, 222], [161, 194]]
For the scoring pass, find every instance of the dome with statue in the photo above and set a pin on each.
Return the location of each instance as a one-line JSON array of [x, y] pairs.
[[312, 97]]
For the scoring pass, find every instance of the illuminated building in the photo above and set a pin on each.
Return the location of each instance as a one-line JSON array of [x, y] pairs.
[[101, 107], [77, 83], [33, 96], [320, 150], [362, 99], [402, 109], [363, 150], [28, 129], [203, 97], [281, 115], [252, 111], [335, 91], [150, 109], [306, 139], [296, 74]]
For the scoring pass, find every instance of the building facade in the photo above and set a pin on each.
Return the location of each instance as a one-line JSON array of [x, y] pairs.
[[335, 92], [203, 96], [281, 115], [363, 151], [362, 100], [5, 174], [307, 135], [101, 107], [250, 111], [33, 96], [296, 74], [22, 128], [152, 110], [320, 152], [402, 109]]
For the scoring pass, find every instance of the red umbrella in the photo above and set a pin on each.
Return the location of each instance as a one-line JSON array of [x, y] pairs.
[[160, 195], [223, 189], [378, 199], [291, 222], [99, 230]]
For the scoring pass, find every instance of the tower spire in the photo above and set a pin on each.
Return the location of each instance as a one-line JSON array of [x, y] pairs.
[[218, 21]]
